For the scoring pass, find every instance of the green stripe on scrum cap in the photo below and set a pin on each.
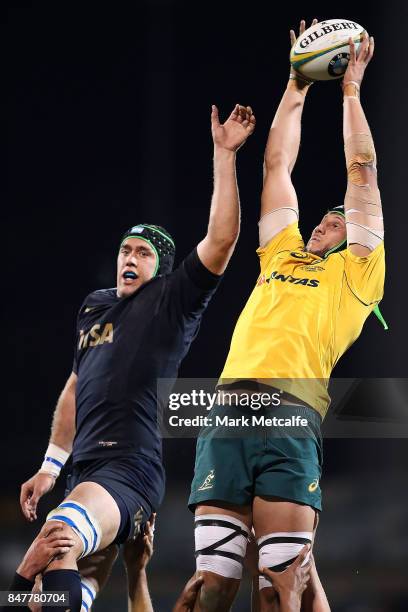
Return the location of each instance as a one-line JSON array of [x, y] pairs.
[[154, 229]]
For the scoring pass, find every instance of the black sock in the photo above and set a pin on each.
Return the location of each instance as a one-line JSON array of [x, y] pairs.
[[19, 583], [64, 580]]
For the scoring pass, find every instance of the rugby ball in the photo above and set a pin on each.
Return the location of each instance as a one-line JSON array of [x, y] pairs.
[[322, 52]]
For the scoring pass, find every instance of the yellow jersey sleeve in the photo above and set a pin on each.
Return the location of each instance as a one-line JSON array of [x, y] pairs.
[[365, 275], [288, 239]]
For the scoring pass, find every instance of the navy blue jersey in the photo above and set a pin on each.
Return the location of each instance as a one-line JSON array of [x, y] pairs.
[[123, 346]]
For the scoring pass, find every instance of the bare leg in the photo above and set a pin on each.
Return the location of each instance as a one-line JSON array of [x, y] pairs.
[[217, 593]]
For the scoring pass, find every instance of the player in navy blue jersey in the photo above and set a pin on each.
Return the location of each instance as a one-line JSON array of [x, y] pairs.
[[127, 338]]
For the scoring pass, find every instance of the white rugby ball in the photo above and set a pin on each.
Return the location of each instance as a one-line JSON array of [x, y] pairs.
[[322, 52]]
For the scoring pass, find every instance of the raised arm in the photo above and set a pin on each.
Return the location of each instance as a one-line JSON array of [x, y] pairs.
[[362, 203], [137, 554], [223, 228], [279, 204], [59, 449]]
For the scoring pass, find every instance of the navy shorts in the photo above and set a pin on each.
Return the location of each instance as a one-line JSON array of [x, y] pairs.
[[136, 483]]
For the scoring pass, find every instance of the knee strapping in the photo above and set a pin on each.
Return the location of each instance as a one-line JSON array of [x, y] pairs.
[[278, 550], [81, 521], [88, 594], [220, 543], [364, 220]]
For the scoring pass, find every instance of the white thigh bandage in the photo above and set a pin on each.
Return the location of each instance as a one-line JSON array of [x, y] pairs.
[[220, 544], [364, 220], [278, 550], [82, 522], [88, 594], [274, 222]]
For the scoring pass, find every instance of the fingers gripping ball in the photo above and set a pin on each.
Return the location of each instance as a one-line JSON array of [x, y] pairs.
[[322, 52]]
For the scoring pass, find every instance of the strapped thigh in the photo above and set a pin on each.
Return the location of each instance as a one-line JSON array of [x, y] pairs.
[[278, 550], [78, 517], [221, 543]]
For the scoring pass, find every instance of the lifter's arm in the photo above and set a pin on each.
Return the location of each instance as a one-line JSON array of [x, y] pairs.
[[62, 435], [223, 228], [291, 583], [137, 554], [362, 203]]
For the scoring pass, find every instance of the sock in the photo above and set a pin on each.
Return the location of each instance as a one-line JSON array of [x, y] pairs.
[[19, 583], [64, 580], [88, 594]]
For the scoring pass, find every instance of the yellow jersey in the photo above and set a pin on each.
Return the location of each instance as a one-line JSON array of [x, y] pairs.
[[302, 315]]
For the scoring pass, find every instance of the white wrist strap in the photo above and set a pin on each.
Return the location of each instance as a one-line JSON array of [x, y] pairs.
[[54, 460]]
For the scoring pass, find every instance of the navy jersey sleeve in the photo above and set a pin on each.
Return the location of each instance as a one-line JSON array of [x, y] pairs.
[[192, 285]]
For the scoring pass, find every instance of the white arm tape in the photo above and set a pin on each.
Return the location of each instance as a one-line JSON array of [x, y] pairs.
[[54, 460], [274, 222], [361, 234], [364, 219]]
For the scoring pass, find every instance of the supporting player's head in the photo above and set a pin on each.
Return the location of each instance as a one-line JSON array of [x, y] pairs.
[[145, 251], [330, 235]]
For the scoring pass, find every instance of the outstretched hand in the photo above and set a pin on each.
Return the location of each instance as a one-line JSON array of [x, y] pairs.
[[138, 552], [359, 61], [232, 134], [294, 75], [302, 28]]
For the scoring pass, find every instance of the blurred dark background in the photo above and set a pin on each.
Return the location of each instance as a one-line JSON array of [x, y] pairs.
[[108, 117]]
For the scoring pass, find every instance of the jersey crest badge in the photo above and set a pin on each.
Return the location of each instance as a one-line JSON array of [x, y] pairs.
[[208, 482]]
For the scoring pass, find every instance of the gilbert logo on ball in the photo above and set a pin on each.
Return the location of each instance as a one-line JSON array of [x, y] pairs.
[[322, 52]]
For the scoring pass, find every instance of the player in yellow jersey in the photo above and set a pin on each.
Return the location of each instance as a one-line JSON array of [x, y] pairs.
[[308, 306]]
